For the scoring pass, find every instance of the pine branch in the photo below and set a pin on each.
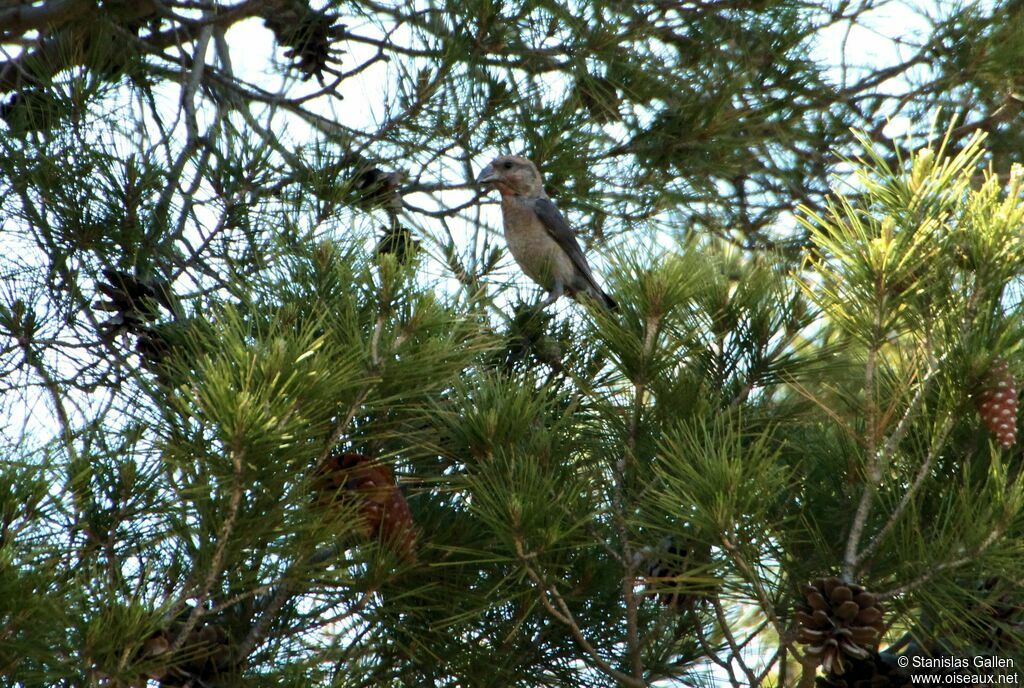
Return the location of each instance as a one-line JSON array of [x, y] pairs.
[[217, 561], [764, 601], [874, 469], [287, 590], [189, 88], [735, 649], [923, 472], [52, 389], [712, 655], [564, 616], [23, 18], [936, 569], [629, 554], [854, 558]]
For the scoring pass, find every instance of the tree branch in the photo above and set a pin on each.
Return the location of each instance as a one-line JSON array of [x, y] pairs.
[[25, 18], [564, 615]]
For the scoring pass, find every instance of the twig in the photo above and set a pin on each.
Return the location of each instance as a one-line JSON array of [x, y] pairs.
[[769, 664], [237, 455], [375, 362], [874, 470], [235, 599], [853, 557], [33, 359], [939, 568], [712, 654], [922, 473], [618, 503], [737, 651], [765, 602], [195, 77], [757, 370], [285, 591], [564, 615]]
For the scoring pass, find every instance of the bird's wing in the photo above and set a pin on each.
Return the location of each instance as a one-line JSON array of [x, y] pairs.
[[559, 229]]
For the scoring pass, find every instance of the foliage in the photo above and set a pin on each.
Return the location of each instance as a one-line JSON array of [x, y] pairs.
[[789, 393]]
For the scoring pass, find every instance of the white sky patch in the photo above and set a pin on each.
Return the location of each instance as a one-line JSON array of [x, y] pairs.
[[897, 127], [880, 38]]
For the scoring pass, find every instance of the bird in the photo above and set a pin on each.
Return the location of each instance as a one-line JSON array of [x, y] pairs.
[[538, 235]]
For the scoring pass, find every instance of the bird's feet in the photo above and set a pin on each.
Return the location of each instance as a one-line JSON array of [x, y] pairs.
[[556, 293]]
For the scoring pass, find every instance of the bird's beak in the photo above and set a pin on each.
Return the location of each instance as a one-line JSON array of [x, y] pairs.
[[487, 175]]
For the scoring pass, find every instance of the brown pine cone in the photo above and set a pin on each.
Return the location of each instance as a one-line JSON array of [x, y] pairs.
[[665, 565], [374, 188], [308, 34], [839, 623], [385, 513], [997, 404], [204, 654], [873, 672], [397, 241], [134, 301]]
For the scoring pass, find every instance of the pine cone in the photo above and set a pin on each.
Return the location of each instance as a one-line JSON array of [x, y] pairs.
[[839, 623], [134, 301], [997, 404], [374, 188], [205, 654], [600, 97], [152, 345], [399, 242], [664, 567], [530, 334], [307, 33], [385, 513], [873, 672]]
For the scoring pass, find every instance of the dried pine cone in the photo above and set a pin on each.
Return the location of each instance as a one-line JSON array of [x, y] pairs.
[[876, 671], [308, 34], [997, 404], [205, 654], [600, 97], [152, 345], [529, 335], [839, 623], [398, 241], [385, 513], [135, 304], [665, 565], [374, 188], [134, 301]]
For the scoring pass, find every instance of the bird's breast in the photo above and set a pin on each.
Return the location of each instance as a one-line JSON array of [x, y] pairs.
[[536, 252]]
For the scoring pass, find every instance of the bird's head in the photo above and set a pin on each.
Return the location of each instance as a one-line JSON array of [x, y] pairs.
[[513, 176]]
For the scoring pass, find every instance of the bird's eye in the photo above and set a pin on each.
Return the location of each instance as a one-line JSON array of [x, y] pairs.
[[507, 166]]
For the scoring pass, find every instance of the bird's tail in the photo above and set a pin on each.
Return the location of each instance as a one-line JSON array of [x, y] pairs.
[[602, 298]]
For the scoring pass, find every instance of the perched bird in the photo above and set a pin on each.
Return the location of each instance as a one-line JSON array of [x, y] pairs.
[[539, 237]]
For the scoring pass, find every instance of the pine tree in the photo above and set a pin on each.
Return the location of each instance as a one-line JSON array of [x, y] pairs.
[[278, 413]]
